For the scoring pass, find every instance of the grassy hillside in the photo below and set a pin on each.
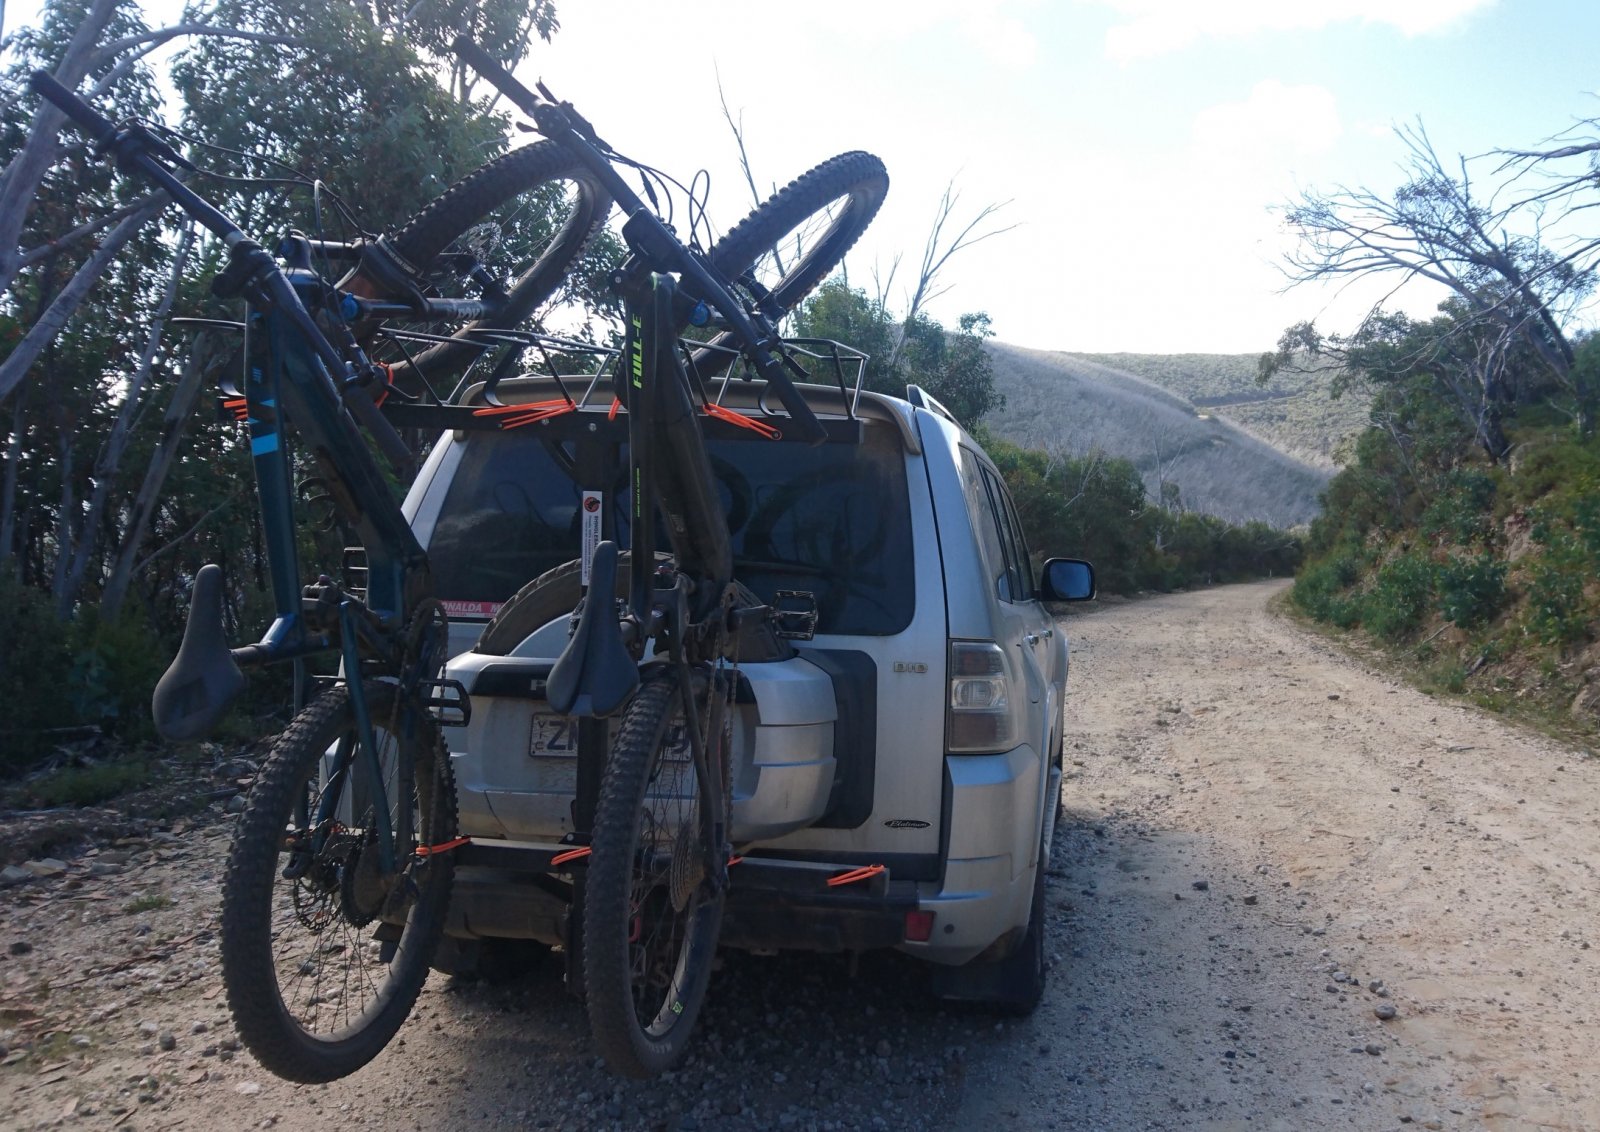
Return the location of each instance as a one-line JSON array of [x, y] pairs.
[[1294, 413], [1072, 403]]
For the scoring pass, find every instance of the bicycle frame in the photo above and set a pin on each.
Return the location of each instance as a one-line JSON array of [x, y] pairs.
[[292, 372]]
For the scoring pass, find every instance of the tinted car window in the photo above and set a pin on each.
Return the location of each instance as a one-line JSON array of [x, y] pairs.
[[509, 516], [833, 521], [986, 525]]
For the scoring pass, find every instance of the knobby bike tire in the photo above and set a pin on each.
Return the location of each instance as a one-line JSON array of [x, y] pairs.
[[422, 238], [856, 178], [646, 962], [295, 952], [552, 594]]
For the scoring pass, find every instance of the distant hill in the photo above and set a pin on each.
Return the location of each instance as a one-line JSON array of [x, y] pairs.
[[1197, 420], [1294, 413]]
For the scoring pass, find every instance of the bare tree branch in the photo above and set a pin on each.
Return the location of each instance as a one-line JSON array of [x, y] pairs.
[[67, 301], [83, 231]]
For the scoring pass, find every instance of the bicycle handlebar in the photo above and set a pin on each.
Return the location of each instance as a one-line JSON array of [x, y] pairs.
[[137, 150], [564, 125], [88, 119]]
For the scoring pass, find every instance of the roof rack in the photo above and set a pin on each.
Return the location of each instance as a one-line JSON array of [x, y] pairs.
[[713, 367]]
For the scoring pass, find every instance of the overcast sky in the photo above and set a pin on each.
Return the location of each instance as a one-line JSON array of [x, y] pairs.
[[1142, 143]]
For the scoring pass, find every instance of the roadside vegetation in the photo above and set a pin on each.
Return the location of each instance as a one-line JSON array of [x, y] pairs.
[[1464, 536]]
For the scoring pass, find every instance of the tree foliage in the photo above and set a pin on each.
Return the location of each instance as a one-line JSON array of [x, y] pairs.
[[952, 365], [1515, 259], [116, 484]]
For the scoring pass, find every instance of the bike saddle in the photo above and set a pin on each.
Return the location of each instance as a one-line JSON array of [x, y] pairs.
[[203, 679], [595, 675]]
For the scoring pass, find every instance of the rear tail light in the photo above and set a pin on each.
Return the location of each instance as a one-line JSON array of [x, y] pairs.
[[978, 716]]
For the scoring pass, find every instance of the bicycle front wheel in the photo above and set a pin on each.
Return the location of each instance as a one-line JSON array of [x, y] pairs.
[[324, 950], [651, 918], [795, 238], [525, 217]]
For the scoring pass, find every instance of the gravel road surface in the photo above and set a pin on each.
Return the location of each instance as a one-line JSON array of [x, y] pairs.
[[1289, 893]]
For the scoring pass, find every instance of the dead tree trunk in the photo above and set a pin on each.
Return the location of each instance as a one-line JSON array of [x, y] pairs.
[[110, 458], [64, 512], [70, 297], [8, 492], [144, 504], [26, 171]]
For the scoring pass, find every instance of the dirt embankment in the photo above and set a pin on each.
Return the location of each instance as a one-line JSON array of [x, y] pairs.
[[1267, 848]]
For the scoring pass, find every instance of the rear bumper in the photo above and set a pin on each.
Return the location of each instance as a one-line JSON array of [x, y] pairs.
[[993, 809], [504, 890], [992, 813]]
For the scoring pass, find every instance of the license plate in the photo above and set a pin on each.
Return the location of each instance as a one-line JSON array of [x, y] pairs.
[[556, 737]]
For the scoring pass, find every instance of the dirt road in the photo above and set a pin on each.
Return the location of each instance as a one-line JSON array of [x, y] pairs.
[[1260, 831], [1266, 847]]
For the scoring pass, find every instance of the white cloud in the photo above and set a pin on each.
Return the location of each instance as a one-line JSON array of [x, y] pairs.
[[1159, 27], [997, 29], [1275, 118]]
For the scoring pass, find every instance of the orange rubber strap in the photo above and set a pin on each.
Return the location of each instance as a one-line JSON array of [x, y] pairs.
[[388, 384], [435, 850], [571, 855], [732, 861], [761, 428], [525, 407], [540, 415], [616, 404], [865, 872]]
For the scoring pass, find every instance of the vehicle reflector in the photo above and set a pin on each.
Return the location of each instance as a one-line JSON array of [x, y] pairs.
[[919, 926]]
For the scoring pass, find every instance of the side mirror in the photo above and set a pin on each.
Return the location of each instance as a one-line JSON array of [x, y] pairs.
[[1067, 579]]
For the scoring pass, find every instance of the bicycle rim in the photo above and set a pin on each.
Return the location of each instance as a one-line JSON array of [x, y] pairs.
[[651, 920], [323, 955], [795, 238], [527, 217]]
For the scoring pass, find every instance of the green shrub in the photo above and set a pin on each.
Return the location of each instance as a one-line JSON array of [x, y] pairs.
[[35, 659], [1556, 613], [1462, 512], [1400, 597], [86, 785], [115, 667], [1472, 590], [1321, 590]]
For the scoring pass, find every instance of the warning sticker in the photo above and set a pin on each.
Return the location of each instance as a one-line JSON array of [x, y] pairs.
[[591, 529]]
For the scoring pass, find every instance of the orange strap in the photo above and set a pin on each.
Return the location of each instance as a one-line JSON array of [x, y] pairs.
[[732, 861], [435, 850], [865, 872], [239, 407], [388, 384], [530, 412], [722, 413], [571, 855], [615, 405], [535, 417]]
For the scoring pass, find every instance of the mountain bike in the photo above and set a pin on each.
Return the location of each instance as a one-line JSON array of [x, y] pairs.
[[338, 879], [657, 847]]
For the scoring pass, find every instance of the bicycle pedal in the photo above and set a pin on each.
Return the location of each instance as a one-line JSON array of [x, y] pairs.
[[447, 701]]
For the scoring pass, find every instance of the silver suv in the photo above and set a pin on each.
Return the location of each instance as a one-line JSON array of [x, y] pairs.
[[896, 772]]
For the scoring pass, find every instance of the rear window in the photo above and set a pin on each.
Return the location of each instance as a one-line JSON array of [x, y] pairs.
[[833, 521]]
